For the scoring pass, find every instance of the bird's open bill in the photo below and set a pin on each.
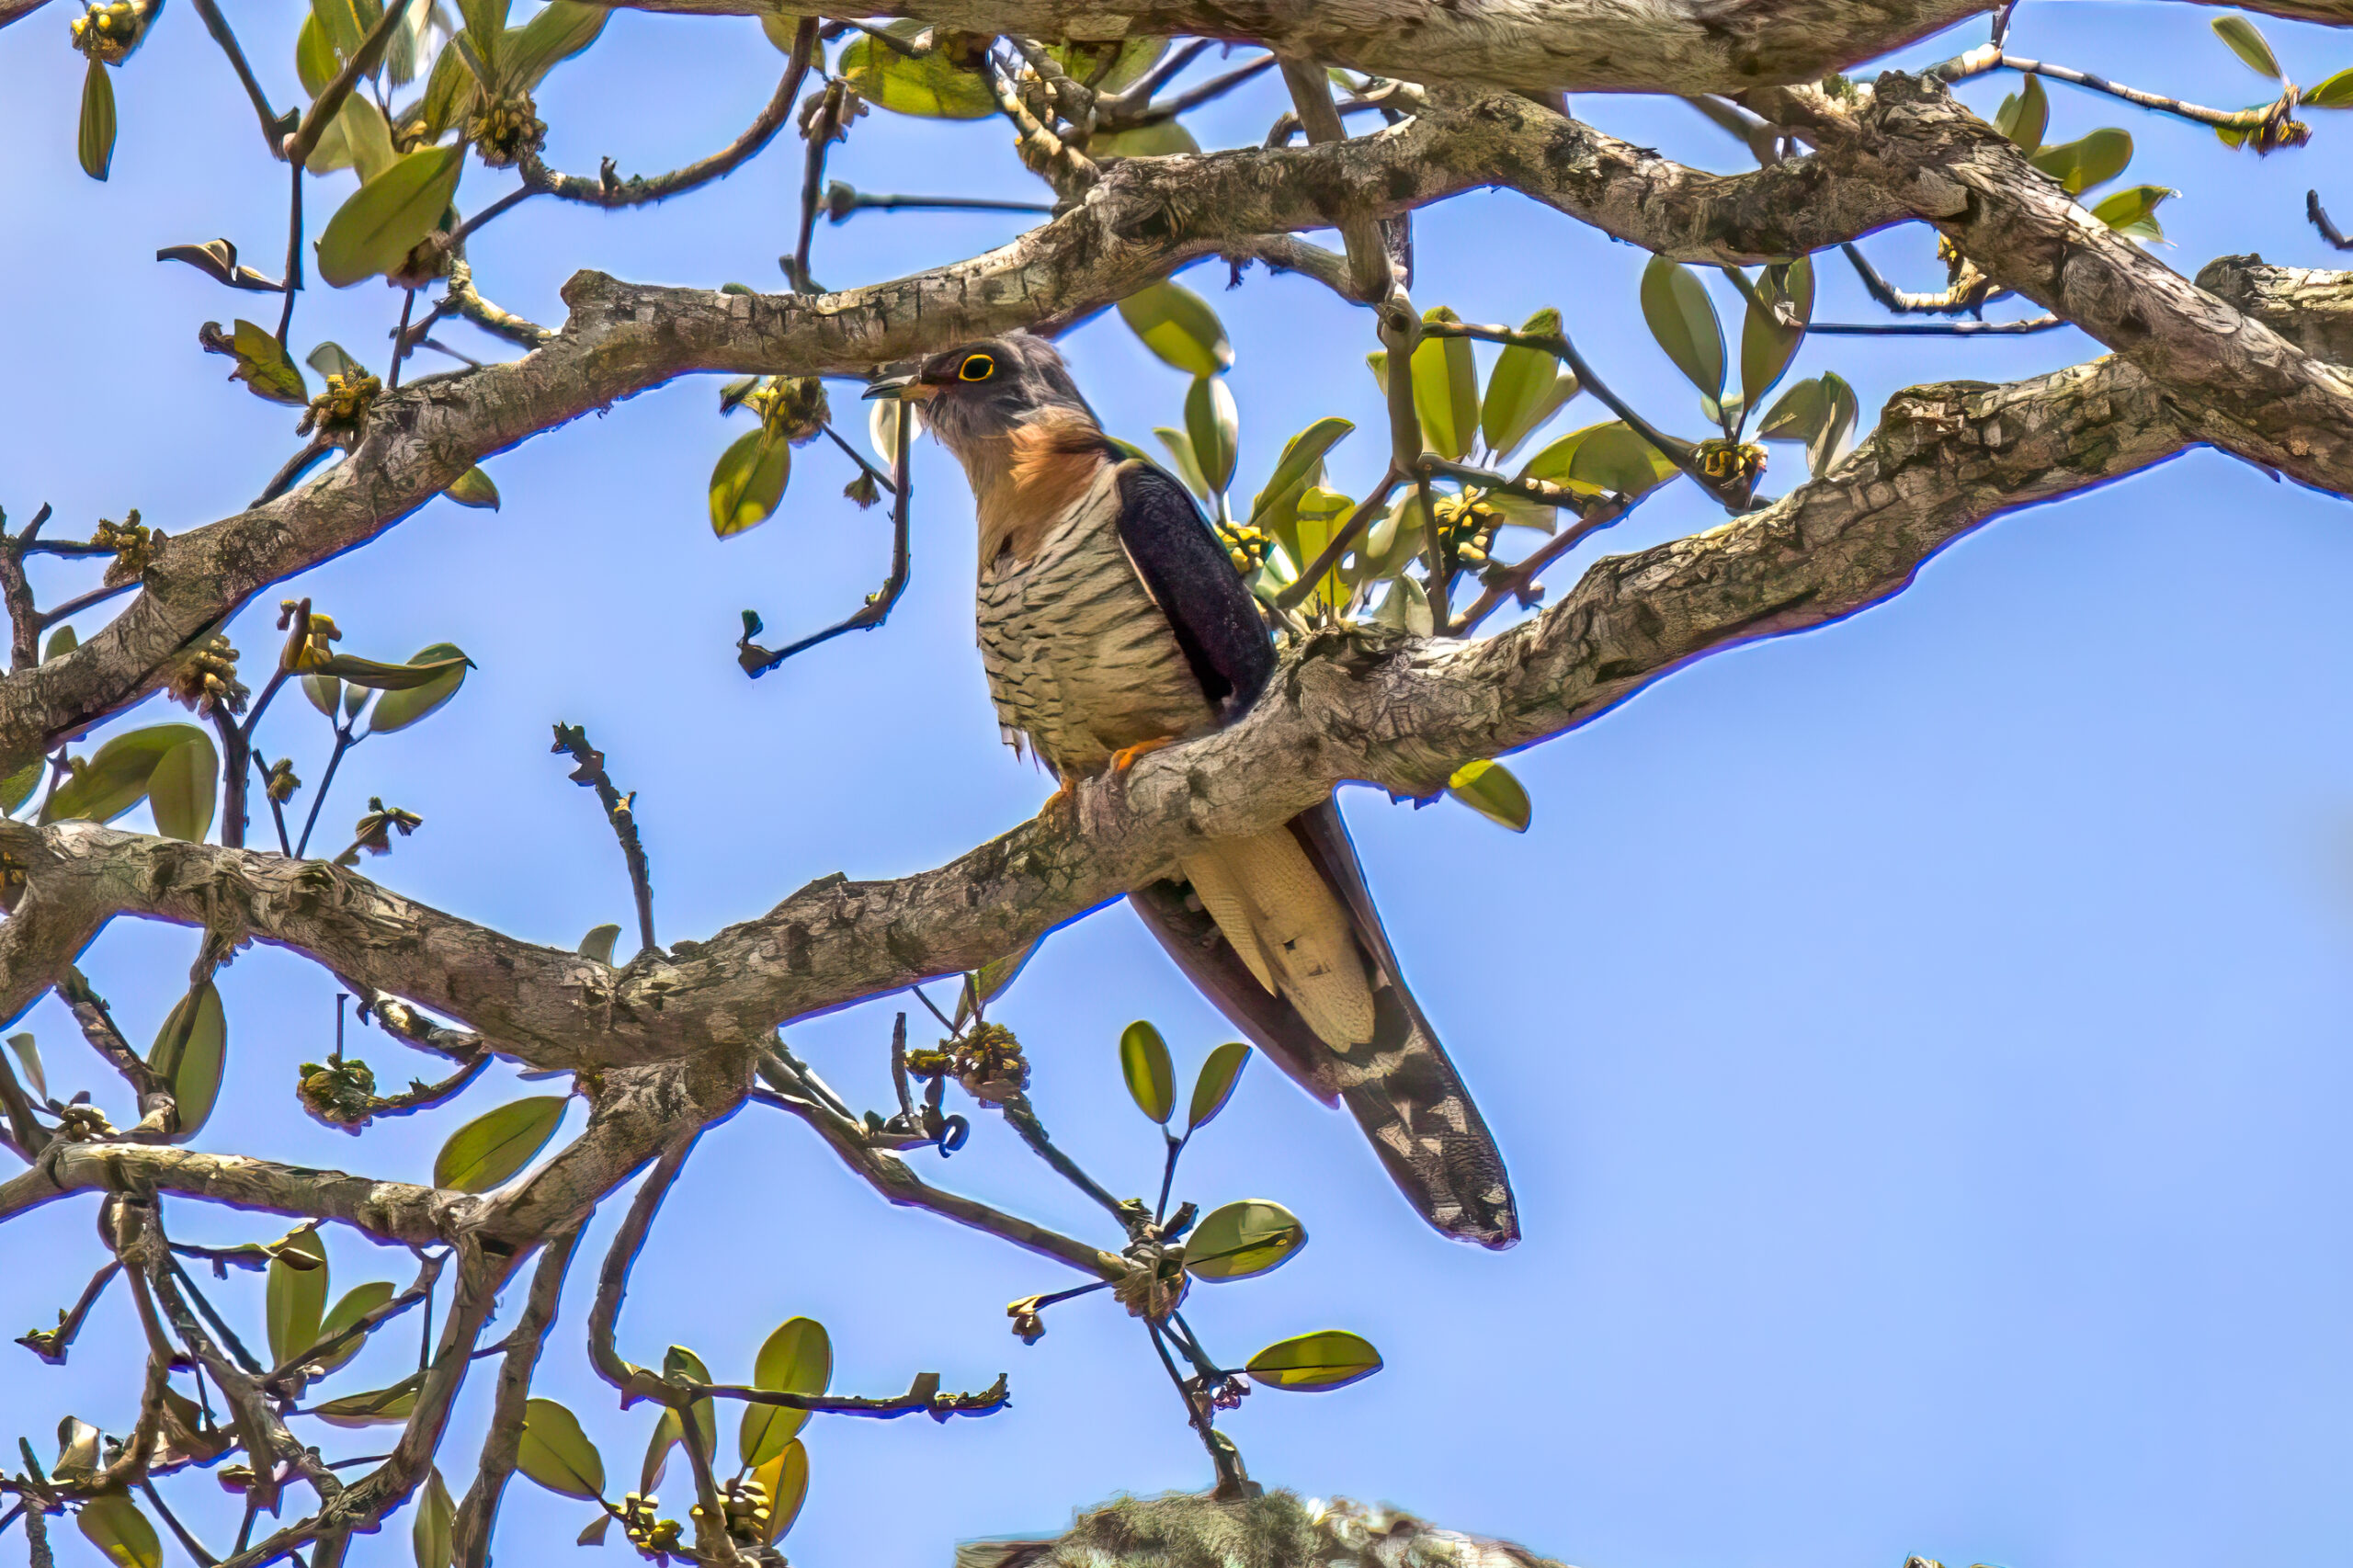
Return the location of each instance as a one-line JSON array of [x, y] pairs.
[[905, 388]]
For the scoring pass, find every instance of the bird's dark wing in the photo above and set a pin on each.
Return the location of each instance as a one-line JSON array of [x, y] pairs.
[[1193, 580], [1401, 1089]]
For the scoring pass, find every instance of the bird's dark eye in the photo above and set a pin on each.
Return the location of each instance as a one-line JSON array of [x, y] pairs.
[[976, 368]]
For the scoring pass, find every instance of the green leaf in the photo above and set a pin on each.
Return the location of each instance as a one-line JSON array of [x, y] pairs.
[[325, 693], [437, 1517], [191, 1050], [1161, 139], [2248, 44], [668, 1432], [97, 141], [358, 139], [345, 23], [488, 1149], [373, 232], [599, 943], [992, 978], [557, 1454], [1330, 1359], [930, 86], [1797, 415], [1837, 424], [378, 1407], [295, 1300], [1675, 304], [450, 93], [2087, 161], [1446, 390], [561, 29], [19, 787], [184, 788], [473, 488], [402, 706], [1151, 1079], [29, 1063], [1180, 461], [748, 482], [1214, 426], [1525, 388], [2336, 92], [62, 642], [262, 363], [2133, 211], [1297, 467], [114, 1524], [1770, 337], [680, 1362], [1407, 607], [1178, 326], [486, 30], [786, 1479], [1243, 1239], [354, 1304], [1489, 788], [1109, 67], [1599, 458], [593, 1532], [411, 676], [330, 359], [315, 60], [1215, 1086], [2025, 116], [797, 1358], [1317, 519]]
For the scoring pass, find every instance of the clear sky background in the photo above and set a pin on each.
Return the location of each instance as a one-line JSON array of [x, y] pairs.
[[1919, 1044]]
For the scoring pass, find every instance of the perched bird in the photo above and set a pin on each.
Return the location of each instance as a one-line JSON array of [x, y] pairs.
[[1111, 622]]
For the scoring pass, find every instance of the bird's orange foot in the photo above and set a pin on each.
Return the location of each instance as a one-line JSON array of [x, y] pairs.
[[1125, 758], [1064, 798]]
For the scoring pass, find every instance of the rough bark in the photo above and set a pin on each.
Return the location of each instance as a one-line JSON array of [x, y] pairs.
[[1533, 46]]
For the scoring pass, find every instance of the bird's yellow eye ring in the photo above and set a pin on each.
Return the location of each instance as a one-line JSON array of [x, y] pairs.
[[976, 368]]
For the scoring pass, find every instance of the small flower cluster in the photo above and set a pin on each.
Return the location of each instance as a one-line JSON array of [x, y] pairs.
[[341, 1094], [1245, 546], [505, 132], [1469, 523], [108, 33], [744, 1507], [651, 1535], [134, 545], [206, 679], [343, 407]]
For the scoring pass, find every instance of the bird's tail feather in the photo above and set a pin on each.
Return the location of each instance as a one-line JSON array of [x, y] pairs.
[[1399, 1084]]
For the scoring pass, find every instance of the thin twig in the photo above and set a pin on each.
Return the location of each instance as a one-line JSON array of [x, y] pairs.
[[620, 812], [2319, 216], [1192, 98], [273, 129], [757, 660], [1936, 328], [293, 273], [505, 203], [81, 602], [1023, 1118], [329, 102], [1973, 291], [2228, 119], [1519, 581], [818, 131], [344, 741]]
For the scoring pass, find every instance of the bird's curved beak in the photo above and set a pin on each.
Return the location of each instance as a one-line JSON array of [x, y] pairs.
[[903, 388]]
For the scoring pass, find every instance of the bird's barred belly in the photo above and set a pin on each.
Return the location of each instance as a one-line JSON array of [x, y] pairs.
[[1079, 658]]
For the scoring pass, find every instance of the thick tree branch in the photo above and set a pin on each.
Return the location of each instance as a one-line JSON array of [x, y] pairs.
[[386, 1210], [1146, 217], [1577, 46]]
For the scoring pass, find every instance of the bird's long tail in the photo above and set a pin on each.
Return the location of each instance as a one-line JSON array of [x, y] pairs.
[[1280, 931]]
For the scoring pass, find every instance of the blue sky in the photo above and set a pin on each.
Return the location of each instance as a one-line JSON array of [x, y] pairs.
[[1919, 1044]]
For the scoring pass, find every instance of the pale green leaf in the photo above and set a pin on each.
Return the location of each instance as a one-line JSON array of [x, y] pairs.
[[114, 1524], [402, 706], [930, 86], [373, 232], [1446, 390], [1240, 1240], [797, 1358], [295, 1300], [1215, 1085], [1676, 307], [1489, 788], [2248, 43], [1151, 1078], [1214, 426], [1330, 1359], [557, 1454], [184, 788], [490, 1149], [96, 142], [191, 1050], [1180, 326], [748, 481]]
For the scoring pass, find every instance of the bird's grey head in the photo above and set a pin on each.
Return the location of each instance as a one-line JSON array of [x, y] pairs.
[[986, 390]]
